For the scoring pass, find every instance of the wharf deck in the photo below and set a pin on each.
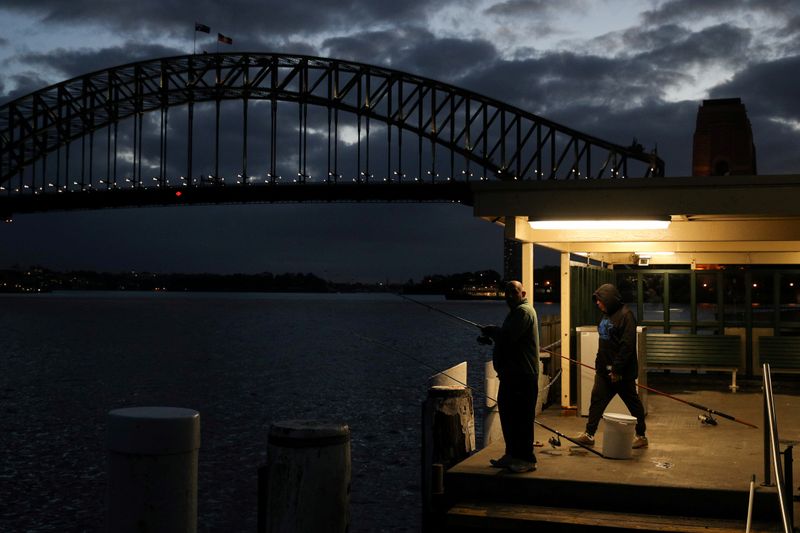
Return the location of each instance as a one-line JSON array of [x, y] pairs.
[[690, 471]]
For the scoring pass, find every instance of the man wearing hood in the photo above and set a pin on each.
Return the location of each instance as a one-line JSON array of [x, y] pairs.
[[516, 360], [616, 365]]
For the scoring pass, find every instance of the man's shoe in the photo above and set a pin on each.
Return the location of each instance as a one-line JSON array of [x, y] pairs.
[[585, 439], [640, 442], [519, 466], [503, 462]]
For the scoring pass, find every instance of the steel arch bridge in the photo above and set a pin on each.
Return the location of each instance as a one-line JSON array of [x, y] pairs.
[[262, 127]]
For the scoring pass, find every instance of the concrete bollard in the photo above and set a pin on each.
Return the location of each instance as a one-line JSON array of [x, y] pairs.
[[491, 417], [492, 431], [152, 469], [308, 477]]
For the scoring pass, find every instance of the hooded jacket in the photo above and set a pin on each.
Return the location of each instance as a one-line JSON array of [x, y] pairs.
[[616, 349]]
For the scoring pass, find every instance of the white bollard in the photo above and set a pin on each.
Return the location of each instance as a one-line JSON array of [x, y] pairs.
[[152, 469], [491, 417], [308, 477]]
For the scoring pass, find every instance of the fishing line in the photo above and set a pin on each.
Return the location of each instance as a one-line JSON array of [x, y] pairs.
[[706, 420], [708, 410], [480, 393]]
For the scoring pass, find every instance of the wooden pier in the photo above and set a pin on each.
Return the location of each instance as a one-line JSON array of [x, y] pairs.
[[693, 476]]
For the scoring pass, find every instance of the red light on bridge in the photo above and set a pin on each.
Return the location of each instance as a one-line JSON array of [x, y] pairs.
[[178, 194]]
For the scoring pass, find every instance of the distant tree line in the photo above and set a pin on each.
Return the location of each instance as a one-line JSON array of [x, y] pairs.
[[483, 283]]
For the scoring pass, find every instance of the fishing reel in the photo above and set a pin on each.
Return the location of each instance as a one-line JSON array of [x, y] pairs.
[[707, 420], [485, 339], [555, 442]]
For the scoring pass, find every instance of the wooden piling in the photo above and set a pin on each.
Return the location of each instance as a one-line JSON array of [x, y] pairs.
[[448, 437], [308, 477]]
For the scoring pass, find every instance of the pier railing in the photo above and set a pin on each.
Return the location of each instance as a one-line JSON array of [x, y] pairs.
[[772, 455]]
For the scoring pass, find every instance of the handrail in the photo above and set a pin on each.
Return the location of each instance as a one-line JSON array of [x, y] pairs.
[[771, 425]]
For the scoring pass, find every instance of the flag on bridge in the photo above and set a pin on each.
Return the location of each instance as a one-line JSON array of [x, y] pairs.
[[223, 39], [201, 27]]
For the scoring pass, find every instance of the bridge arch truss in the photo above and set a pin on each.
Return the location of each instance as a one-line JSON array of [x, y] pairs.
[[216, 121]]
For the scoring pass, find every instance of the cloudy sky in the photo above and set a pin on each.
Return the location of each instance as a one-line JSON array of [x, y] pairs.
[[616, 69]]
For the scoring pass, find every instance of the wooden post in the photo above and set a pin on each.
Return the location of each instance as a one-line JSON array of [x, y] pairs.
[[308, 477], [448, 437], [152, 469], [566, 398], [527, 270]]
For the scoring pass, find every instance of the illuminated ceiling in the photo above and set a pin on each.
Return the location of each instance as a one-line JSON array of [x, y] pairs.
[[714, 220]]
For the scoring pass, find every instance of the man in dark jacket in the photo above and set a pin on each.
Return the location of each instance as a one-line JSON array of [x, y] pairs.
[[516, 360], [616, 365]]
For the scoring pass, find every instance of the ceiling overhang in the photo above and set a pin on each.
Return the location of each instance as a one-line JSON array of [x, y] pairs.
[[719, 220]]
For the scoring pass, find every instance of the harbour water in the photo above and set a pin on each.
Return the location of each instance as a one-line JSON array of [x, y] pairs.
[[243, 361]]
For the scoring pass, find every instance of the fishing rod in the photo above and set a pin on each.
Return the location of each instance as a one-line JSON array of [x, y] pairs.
[[710, 411], [451, 315], [423, 363], [656, 391]]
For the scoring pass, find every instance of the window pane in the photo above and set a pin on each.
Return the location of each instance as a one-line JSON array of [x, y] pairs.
[[734, 297], [790, 297], [653, 295], [707, 291], [680, 297], [626, 283], [708, 331], [763, 298]]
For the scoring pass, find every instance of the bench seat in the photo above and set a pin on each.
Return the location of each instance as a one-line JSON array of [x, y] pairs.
[[678, 351], [781, 353]]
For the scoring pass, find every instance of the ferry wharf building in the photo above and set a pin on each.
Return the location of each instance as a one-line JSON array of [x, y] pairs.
[[709, 263]]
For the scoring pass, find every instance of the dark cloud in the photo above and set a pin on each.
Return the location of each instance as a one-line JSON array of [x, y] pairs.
[[233, 17], [792, 27], [769, 91], [23, 84], [527, 8], [72, 63], [416, 51], [690, 10], [719, 45]]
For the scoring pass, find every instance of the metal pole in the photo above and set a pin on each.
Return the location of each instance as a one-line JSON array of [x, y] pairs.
[[767, 475], [788, 482], [774, 448]]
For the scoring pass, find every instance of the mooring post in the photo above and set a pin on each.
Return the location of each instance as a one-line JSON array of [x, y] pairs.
[[152, 470], [448, 437], [308, 477]]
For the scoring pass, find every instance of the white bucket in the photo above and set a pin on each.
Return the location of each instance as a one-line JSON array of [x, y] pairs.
[[618, 435]]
